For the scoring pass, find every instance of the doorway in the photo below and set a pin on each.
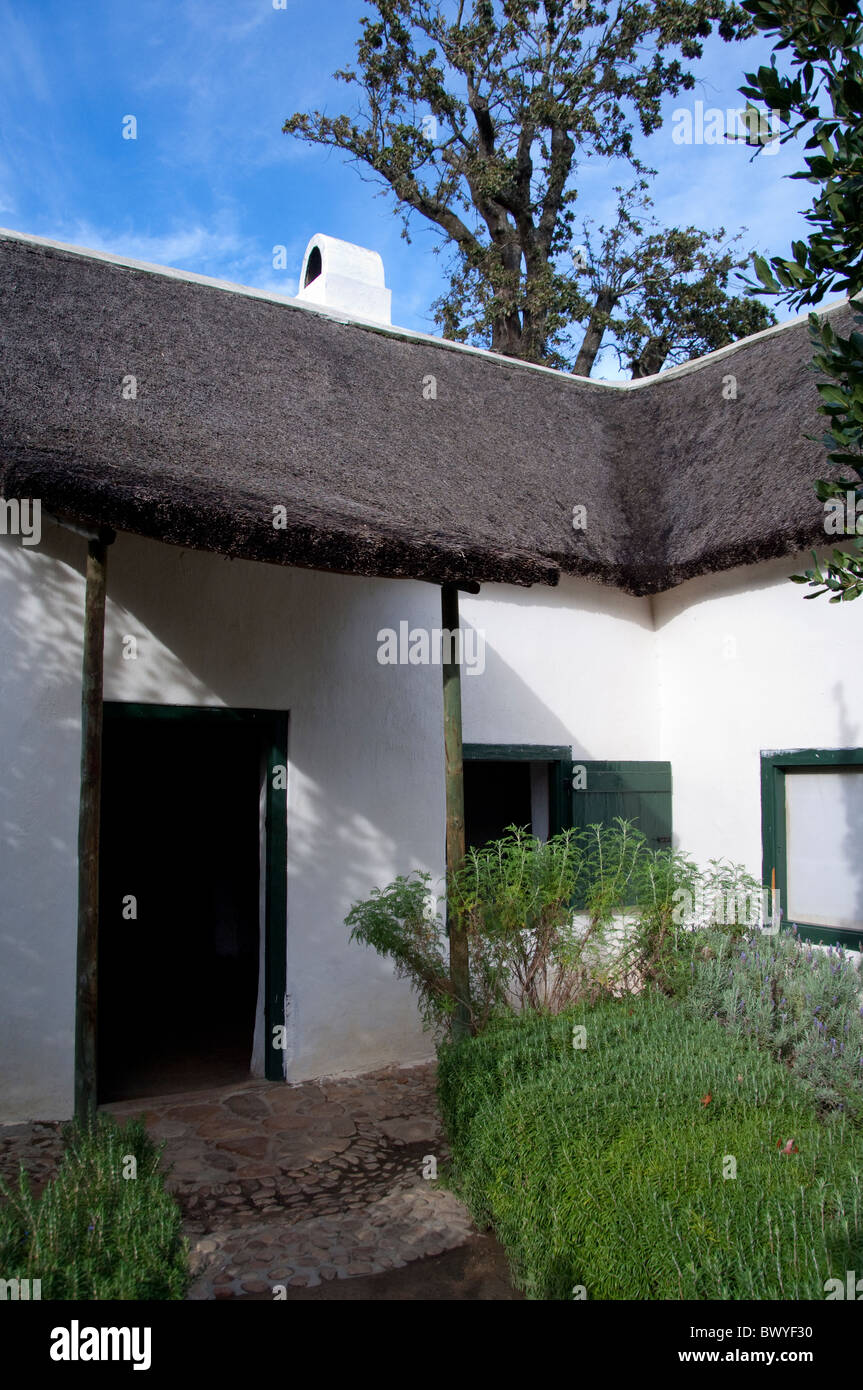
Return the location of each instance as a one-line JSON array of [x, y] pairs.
[[191, 896]]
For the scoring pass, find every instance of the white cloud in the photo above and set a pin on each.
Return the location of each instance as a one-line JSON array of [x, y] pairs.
[[224, 254]]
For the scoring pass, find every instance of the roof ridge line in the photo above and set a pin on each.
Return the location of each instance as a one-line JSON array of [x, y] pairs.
[[409, 334]]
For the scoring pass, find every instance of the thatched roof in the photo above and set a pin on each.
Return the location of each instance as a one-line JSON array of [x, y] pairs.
[[246, 402]]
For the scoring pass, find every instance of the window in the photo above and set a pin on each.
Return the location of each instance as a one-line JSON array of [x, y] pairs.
[[812, 807], [514, 784], [540, 786]]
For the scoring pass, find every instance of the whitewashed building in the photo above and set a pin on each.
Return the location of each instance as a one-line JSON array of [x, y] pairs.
[[286, 480]]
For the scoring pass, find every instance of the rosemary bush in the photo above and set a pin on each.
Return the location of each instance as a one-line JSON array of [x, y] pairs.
[[607, 1166], [94, 1234], [583, 915]]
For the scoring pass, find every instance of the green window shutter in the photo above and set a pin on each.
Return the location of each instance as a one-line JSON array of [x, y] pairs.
[[640, 792]]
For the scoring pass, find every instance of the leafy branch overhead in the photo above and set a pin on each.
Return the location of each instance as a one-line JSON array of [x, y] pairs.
[[479, 114], [822, 95]]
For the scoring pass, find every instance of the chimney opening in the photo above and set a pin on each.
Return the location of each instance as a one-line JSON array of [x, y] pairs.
[[348, 279], [314, 267]]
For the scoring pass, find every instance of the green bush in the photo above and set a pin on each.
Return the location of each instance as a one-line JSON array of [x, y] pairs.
[[800, 1003], [397, 922], [93, 1233], [543, 921], [602, 1167]]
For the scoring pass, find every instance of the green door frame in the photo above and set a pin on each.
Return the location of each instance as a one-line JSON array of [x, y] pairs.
[[273, 728], [560, 811], [775, 765]]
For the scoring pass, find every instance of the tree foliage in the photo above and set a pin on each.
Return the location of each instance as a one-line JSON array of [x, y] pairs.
[[661, 294], [478, 115], [822, 95]]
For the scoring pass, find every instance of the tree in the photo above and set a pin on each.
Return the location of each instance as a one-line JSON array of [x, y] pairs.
[[476, 114], [660, 294], [823, 95]]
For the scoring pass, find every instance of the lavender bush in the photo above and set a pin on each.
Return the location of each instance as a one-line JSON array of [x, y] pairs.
[[801, 1002]]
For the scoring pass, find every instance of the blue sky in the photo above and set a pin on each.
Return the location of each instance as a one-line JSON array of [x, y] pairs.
[[211, 184]]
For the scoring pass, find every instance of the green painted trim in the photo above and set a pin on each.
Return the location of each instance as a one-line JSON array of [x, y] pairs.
[[647, 778], [640, 791], [121, 709], [276, 899], [518, 752], [813, 757], [634, 790], [273, 726], [774, 767]]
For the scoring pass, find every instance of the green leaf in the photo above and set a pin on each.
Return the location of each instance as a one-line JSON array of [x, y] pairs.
[[833, 395], [765, 275]]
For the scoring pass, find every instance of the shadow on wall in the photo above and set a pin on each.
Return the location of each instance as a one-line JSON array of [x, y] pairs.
[[40, 703], [366, 782], [246, 634], [849, 737], [733, 583]]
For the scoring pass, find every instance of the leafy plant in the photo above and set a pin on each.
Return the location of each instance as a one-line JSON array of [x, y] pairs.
[[398, 923], [823, 96], [548, 922]]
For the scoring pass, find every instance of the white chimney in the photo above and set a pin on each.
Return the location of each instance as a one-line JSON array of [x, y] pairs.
[[338, 275]]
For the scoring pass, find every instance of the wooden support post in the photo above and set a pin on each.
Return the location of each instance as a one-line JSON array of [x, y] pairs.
[[455, 841], [86, 1000]]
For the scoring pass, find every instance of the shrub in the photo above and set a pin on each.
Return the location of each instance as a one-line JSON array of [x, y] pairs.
[[549, 922], [397, 922], [603, 1167], [800, 1003], [514, 898], [94, 1234]]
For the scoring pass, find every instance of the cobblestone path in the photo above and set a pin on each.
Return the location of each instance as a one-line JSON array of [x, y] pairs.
[[292, 1185]]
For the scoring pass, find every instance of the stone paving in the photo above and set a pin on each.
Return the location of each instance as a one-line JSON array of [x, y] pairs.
[[293, 1184], [37, 1147]]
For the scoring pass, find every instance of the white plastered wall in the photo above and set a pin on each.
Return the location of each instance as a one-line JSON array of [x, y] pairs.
[[365, 793], [41, 607], [365, 780], [706, 675], [574, 665], [745, 665]]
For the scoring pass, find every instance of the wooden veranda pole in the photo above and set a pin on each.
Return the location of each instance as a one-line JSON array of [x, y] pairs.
[[455, 841], [86, 999]]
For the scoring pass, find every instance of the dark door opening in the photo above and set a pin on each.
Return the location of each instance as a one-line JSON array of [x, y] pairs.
[[181, 835]]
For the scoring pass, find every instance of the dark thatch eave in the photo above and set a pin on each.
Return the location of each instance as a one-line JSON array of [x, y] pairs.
[[245, 404]]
